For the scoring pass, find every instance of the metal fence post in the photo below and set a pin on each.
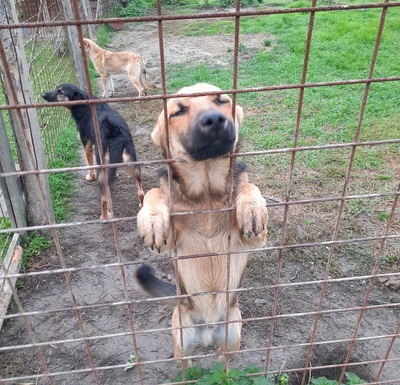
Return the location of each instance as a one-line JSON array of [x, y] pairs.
[[25, 124]]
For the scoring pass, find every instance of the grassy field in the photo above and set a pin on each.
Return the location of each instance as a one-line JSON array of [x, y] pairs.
[[341, 49]]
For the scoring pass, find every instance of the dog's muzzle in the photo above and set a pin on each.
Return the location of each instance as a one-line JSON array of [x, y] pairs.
[[48, 96], [211, 135]]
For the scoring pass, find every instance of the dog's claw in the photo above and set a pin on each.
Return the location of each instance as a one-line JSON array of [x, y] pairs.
[[165, 242], [242, 230], [249, 234], [142, 239]]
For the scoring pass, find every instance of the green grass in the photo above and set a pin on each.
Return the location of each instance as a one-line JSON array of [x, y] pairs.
[[104, 35], [218, 376], [61, 184], [34, 244], [5, 238], [341, 49]]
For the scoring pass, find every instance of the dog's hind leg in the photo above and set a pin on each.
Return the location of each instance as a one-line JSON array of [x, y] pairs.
[[91, 175], [105, 214], [129, 155], [111, 83], [134, 77], [134, 172], [104, 79], [184, 338], [228, 347]]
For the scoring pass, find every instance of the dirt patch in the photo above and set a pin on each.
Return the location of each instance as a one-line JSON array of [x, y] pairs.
[[99, 284]]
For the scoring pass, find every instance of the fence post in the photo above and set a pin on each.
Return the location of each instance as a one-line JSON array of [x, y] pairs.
[[73, 44], [11, 186], [87, 11], [25, 124]]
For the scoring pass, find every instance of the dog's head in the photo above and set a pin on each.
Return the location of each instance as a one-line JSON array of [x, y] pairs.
[[200, 127], [65, 93], [89, 45]]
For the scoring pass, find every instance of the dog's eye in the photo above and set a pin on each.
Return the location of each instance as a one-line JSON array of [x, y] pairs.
[[221, 101], [182, 110], [59, 91]]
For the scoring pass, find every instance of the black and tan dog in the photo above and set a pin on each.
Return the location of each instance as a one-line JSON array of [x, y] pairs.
[[201, 131], [116, 139]]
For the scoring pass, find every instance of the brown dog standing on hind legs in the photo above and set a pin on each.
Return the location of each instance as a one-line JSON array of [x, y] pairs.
[[202, 130], [109, 63]]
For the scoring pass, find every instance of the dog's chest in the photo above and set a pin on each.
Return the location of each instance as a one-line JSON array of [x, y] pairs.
[[207, 233]]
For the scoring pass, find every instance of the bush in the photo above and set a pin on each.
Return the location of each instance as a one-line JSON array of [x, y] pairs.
[[135, 8]]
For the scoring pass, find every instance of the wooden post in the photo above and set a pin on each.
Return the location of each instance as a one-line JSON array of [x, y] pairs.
[[25, 124], [11, 186], [87, 11], [73, 44]]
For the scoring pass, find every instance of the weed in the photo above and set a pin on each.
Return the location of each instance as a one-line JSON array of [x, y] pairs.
[[391, 260], [33, 245], [383, 216], [242, 48], [351, 379], [249, 376], [218, 376], [267, 43], [131, 363], [5, 238], [384, 177]]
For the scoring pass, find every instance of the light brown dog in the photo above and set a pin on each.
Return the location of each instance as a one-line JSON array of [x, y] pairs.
[[201, 131], [109, 63]]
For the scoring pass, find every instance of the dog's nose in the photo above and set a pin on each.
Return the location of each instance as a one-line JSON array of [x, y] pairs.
[[213, 122]]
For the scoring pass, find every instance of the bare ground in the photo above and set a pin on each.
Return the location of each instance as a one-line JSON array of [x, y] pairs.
[[87, 246]]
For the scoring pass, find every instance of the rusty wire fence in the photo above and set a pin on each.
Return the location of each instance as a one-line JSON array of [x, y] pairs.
[[321, 298]]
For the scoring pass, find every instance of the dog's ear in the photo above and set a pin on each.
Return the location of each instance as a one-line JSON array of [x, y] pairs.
[[77, 96], [239, 116], [159, 132]]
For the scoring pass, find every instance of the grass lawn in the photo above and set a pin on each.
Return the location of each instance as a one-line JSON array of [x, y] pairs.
[[341, 49]]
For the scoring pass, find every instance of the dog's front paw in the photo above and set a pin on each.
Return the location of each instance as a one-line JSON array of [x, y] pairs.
[[252, 213], [154, 221]]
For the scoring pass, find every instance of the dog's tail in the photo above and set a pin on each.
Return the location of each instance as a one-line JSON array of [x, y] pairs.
[[155, 286], [143, 78]]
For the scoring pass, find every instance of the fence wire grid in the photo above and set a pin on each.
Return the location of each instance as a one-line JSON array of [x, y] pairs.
[[321, 298]]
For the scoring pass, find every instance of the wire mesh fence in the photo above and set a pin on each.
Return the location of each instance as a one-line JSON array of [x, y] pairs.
[[320, 298]]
